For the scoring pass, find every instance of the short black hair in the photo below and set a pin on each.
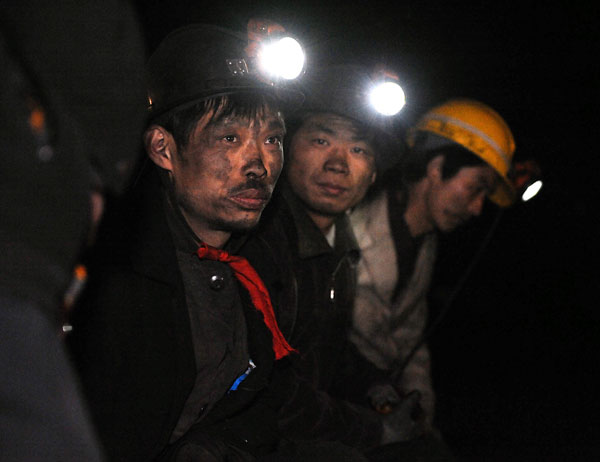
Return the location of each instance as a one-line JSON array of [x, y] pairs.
[[248, 105], [413, 166], [371, 135]]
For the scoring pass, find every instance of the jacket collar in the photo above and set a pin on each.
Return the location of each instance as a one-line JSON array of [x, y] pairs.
[[153, 249], [311, 241], [161, 230]]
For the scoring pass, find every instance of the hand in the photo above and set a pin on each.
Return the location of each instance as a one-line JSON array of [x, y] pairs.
[[383, 398], [403, 423]]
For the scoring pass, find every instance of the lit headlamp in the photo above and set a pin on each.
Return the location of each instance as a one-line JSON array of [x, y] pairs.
[[272, 53], [201, 61], [526, 178], [386, 95]]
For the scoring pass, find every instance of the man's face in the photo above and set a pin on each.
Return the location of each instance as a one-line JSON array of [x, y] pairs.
[[225, 176], [330, 167], [453, 201]]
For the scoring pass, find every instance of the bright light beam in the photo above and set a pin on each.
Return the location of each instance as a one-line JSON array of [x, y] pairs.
[[387, 98], [532, 190], [283, 58]]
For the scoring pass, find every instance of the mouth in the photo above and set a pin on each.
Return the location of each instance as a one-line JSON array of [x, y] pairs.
[[251, 199], [331, 189]]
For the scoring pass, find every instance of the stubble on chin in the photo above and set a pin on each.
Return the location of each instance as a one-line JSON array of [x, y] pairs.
[[241, 225]]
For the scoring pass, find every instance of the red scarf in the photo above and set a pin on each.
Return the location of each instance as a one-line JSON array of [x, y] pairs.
[[258, 293]]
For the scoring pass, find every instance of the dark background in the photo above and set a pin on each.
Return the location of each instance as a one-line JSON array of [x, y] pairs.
[[515, 360]]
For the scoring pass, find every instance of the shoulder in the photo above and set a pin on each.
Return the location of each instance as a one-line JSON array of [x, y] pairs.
[[370, 219]]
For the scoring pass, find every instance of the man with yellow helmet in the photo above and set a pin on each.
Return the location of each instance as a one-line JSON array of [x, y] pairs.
[[459, 153]]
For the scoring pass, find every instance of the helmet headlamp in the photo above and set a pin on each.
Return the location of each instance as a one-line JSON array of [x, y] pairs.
[[386, 95], [387, 98], [282, 58], [526, 178], [201, 61], [274, 54]]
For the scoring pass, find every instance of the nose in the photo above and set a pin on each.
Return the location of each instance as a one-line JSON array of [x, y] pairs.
[[254, 165], [336, 162], [255, 168], [476, 205]]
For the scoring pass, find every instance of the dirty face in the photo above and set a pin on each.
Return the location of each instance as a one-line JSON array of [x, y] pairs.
[[331, 166], [453, 201], [225, 175]]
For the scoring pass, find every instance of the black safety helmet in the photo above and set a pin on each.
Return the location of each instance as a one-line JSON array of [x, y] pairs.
[[202, 61], [344, 90]]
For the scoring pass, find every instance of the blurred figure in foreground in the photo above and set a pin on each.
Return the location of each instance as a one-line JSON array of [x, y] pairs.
[[72, 111]]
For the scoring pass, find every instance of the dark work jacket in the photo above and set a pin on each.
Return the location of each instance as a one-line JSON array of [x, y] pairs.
[[133, 347], [313, 291]]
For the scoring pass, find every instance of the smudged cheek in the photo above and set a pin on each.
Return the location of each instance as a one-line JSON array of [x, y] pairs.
[[200, 180], [217, 166], [274, 166], [305, 169], [301, 155]]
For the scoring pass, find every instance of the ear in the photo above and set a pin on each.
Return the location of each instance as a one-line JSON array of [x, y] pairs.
[[434, 167], [373, 176], [160, 146]]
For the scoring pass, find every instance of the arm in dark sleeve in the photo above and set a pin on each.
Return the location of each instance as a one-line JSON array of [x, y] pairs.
[[308, 413], [355, 375]]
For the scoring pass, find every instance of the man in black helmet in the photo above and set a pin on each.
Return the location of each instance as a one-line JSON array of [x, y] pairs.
[[178, 335], [336, 146]]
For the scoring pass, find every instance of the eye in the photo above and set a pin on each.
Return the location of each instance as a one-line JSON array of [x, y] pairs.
[[319, 141], [277, 140], [230, 138], [486, 186], [471, 187], [476, 189], [362, 151]]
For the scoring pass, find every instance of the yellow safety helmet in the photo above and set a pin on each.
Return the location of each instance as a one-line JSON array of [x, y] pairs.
[[479, 129]]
